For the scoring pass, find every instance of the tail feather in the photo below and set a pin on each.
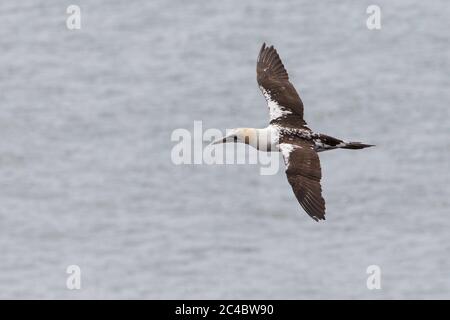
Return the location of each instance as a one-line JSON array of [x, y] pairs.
[[356, 145]]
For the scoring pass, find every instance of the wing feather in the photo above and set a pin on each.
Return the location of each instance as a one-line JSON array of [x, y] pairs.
[[304, 174], [273, 80]]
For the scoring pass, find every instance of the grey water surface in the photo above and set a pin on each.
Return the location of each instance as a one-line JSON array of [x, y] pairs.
[[86, 176]]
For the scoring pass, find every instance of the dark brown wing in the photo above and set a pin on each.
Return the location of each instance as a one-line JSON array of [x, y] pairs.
[[304, 174], [283, 100]]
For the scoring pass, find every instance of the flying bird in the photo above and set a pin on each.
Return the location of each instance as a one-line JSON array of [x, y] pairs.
[[289, 134]]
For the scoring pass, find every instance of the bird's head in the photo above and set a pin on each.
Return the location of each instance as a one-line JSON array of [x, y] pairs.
[[236, 135]]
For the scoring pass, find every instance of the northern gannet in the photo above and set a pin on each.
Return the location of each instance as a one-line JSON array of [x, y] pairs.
[[287, 132]]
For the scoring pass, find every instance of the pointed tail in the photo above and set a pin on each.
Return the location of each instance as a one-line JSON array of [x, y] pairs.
[[356, 145]]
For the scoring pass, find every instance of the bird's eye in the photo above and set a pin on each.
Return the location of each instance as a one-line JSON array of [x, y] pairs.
[[235, 139]]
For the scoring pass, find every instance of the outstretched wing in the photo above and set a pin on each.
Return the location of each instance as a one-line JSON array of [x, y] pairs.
[[304, 174], [282, 99]]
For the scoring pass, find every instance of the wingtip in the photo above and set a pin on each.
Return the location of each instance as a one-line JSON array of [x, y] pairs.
[[317, 219], [263, 47], [266, 52]]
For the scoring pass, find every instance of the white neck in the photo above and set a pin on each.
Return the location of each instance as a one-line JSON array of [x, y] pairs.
[[265, 139]]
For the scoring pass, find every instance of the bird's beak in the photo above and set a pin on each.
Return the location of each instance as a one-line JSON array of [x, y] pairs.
[[221, 140]]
